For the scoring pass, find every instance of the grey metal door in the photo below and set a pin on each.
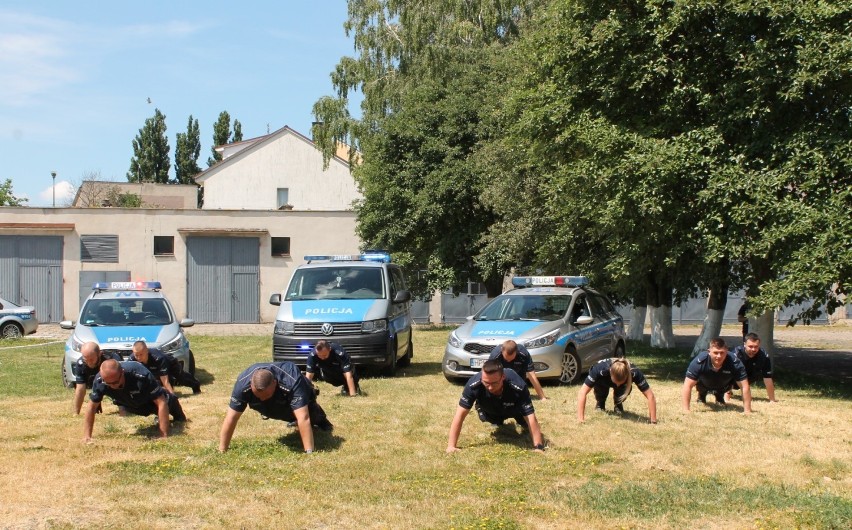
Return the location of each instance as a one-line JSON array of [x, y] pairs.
[[223, 279], [31, 273]]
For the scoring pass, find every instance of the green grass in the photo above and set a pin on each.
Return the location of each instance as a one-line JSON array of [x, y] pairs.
[[384, 466]]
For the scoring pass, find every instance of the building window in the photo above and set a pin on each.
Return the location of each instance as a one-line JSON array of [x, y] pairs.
[[164, 245], [280, 246], [99, 249], [284, 199]]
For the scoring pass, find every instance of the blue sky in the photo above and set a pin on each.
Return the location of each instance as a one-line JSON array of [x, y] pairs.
[[75, 79]]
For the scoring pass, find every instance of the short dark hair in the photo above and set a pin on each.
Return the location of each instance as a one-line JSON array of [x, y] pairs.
[[261, 379], [718, 342], [322, 344], [492, 366], [751, 337]]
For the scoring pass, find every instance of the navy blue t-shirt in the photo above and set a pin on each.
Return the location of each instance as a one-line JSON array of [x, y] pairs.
[[294, 390], [83, 375], [599, 375], [701, 370], [140, 387], [515, 399], [158, 363], [758, 366], [521, 364], [337, 363]]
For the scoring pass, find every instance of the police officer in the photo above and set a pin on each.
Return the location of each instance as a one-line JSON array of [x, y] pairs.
[[757, 364], [330, 363], [86, 368], [498, 395], [278, 391], [619, 375], [133, 387], [716, 371], [517, 357], [164, 366]]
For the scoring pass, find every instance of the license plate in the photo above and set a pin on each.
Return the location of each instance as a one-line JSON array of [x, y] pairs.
[[477, 363]]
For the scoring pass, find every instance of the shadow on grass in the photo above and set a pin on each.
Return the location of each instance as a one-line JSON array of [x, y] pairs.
[[511, 433], [152, 430], [415, 369], [204, 377], [323, 441]]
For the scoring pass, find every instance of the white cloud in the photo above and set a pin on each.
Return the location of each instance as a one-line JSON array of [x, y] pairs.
[[65, 192]]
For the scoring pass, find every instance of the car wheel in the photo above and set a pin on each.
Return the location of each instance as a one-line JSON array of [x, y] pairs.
[[619, 351], [65, 382], [570, 367], [191, 369], [390, 369], [409, 353], [11, 330]]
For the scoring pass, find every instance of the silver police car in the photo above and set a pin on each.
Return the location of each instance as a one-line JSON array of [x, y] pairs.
[[117, 314], [565, 325], [15, 320]]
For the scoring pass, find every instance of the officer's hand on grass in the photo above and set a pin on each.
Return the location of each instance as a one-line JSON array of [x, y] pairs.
[[88, 441], [99, 409], [451, 450]]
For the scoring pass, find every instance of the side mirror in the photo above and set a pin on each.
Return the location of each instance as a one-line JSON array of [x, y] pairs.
[[67, 324], [187, 323], [402, 296], [275, 299], [584, 320]]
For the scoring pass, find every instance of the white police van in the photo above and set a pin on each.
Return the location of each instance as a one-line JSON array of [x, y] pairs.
[[117, 314], [565, 325], [358, 301]]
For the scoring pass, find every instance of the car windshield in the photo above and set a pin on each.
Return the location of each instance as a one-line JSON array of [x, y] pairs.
[[532, 307], [336, 283], [123, 312]]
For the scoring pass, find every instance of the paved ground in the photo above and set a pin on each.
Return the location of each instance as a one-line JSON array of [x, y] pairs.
[[818, 350]]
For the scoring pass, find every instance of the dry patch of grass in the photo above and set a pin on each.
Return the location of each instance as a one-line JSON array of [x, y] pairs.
[[384, 466]]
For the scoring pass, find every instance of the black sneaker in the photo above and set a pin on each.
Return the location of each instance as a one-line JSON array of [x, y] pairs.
[[600, 407], [196, 389], [619, 408], [720, 397], [702, 398]]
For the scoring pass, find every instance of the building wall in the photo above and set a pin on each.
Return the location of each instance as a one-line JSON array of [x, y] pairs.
[[285, 160], [310, 232]]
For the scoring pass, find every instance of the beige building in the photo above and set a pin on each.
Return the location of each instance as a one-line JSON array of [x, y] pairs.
[[102, 194]]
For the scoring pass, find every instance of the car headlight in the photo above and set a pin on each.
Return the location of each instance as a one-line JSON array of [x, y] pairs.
[[76, 344], [544, 340], [284, 328], [173, 345], [374, 326], [454, 340]]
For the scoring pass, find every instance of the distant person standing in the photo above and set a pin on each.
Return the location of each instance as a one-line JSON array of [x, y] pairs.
[[620, 376], [517, 357], [330, 363], [741, 317], [86, 369], [757, 364], [715, 371]]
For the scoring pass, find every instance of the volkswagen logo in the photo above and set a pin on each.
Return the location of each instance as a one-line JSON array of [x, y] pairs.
[[327, 329]]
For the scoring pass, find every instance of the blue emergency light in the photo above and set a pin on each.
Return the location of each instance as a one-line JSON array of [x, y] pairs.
[[127, 286], [550, 281], [380, 257]]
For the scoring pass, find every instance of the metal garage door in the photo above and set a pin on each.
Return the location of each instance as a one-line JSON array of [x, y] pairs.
[[31, 273], [223, 279]]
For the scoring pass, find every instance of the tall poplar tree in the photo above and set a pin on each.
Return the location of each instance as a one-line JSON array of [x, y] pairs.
[[187, 150], [150, 161]]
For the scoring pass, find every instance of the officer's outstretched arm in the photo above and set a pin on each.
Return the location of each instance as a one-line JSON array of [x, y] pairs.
[[770, 389], [79, 396], [652, 405], [228, 427], [350, 383], [536, 385], [746, 396], [535, 431], [89, 421], [686, 393], [455, 429], [163, 415], [303, 419], [581, 402]]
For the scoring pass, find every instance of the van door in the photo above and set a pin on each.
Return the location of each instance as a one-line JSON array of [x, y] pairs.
[[399, 318]]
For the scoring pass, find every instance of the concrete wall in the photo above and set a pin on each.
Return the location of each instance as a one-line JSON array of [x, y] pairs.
[[250, 178], [310, 232]]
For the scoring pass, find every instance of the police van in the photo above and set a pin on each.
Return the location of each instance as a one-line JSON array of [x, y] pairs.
[[117, 314], [565, 325], [357, 301]]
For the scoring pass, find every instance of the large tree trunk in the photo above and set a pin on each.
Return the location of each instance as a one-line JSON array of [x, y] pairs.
[[636, 330], [717, 299], [764, 326], [660, 304]]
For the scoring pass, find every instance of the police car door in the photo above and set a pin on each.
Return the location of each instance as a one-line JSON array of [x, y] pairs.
[[590, 343]]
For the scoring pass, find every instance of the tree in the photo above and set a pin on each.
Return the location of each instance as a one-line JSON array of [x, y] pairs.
[[222, 135], [238, 131], [150, 161], [187, 150], [7, 198]]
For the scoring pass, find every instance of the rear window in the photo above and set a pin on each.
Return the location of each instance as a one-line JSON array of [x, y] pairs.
[[337, 283], [533, 307], [122, 312]]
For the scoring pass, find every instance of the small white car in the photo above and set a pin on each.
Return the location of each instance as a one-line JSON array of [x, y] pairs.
[[565, 325], [16, 321]]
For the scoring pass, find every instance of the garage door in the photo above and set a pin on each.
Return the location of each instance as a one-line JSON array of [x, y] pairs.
[[31, 273], [223, 279]]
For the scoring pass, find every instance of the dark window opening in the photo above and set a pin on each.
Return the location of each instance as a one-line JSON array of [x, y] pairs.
[[280, 246], [164, 245]]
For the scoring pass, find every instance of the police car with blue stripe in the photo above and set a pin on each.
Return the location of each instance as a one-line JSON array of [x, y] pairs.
[[357, 301], [565, 325], [16, 321], [117, 314]]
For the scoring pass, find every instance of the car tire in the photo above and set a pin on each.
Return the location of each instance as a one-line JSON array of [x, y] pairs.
[[191, 368], [64, 373], [619, 351], [571, 367], [409, 353], [11, 330], [390, 369]]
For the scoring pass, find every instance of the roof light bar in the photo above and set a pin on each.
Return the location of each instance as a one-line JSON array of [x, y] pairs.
[[550, 281], [126, 286], [380, 257]]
